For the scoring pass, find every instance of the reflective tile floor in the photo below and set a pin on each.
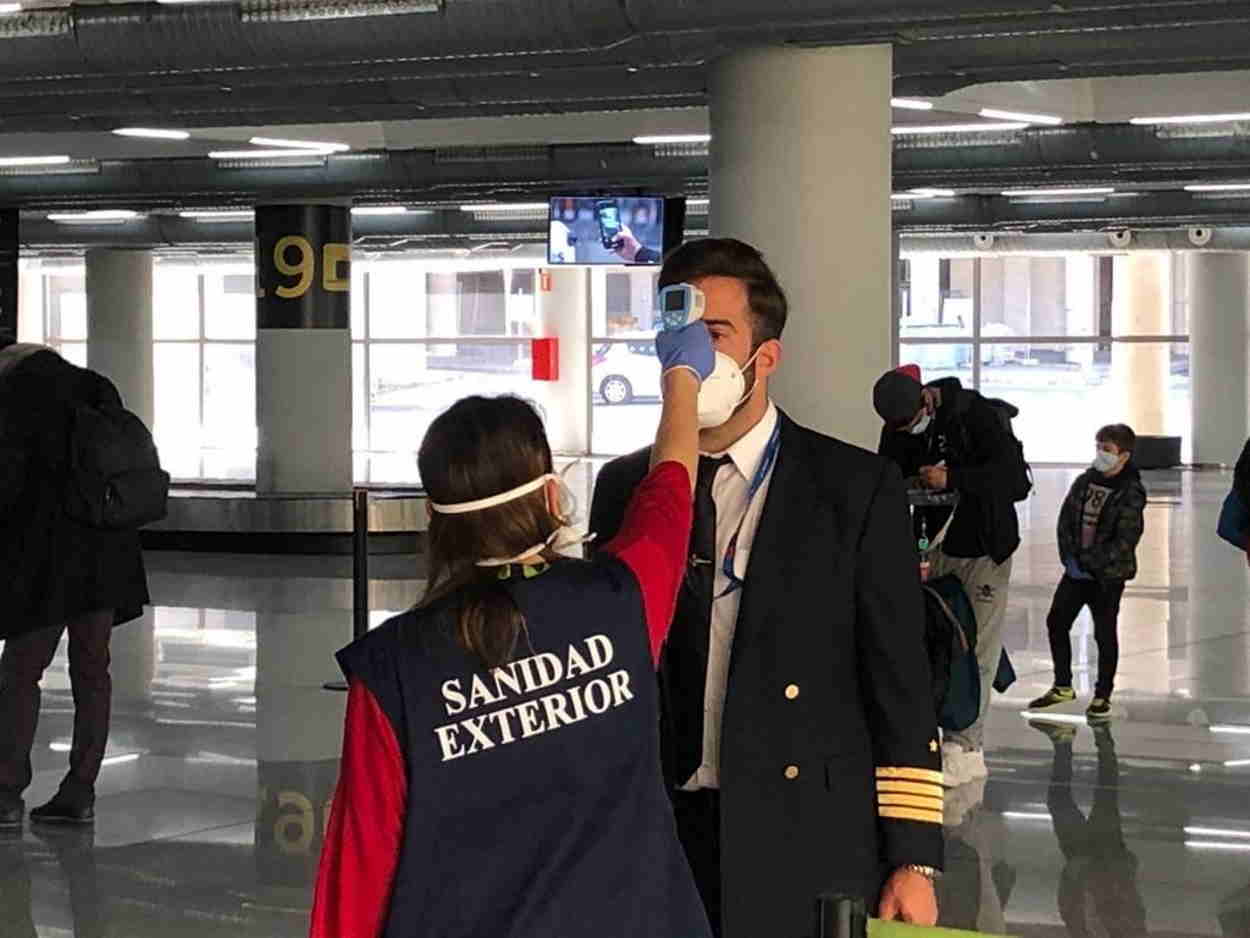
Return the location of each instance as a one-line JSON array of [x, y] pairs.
[[223, 754]]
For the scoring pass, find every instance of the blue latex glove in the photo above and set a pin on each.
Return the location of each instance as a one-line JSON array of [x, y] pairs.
[[689, 347]]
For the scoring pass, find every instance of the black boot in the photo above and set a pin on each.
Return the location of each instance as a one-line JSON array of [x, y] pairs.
[[66, 809], [12, 810]]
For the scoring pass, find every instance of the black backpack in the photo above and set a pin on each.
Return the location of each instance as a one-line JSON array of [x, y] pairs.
[[950, 638], [1022, 472], [114, 479]]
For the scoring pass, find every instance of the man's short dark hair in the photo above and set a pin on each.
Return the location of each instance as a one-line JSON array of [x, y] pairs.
[[1120, 434], [727, 257]]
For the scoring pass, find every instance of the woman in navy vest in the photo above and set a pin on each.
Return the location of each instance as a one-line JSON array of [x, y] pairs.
[[501, 767]]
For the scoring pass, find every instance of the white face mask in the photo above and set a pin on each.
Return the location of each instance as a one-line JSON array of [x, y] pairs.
[[1106, 462], [723, 392], [922, 426], [562, 537]]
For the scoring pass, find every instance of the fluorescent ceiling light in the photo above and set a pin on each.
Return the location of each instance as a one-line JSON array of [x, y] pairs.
[[909, 129], [1215, 845], [506, 207], [1215, 832], [297, 11], [103, 216], [1031, 193], [380, 210], [1236, 763], [996, 114], [911, 104], [265, 154], [310, 145], [1235, 729], [1219, 187], [1026, 816], [207, 215], [661, 139], [908, 196], [928, 193], [151, 133], [33, 160], [10, 8], [1192, 119]]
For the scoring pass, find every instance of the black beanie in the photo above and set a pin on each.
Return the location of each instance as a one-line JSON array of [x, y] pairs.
[[897, 398]]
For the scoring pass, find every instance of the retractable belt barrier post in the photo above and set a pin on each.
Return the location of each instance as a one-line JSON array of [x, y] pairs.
[[360, 562], [360, 572]]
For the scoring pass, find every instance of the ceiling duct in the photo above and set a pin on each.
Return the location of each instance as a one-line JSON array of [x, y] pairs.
[[503, 154], [203, 65]]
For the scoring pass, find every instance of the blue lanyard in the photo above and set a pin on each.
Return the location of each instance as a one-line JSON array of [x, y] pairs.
[[757, 482]]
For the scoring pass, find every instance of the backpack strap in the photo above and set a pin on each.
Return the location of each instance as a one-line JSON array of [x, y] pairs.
[[946, 611]]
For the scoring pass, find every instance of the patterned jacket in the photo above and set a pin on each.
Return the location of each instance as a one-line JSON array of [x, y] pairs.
[[1113, 556]]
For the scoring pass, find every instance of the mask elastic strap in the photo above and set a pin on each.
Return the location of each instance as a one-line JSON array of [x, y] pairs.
[[754, 384], [491, 501]]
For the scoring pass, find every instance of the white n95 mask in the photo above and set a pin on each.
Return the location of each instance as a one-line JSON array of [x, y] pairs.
[[723, 391]]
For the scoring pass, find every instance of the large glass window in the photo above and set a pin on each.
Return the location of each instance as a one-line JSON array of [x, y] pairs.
[[1045, 334], [624, 373], [204, 323], [425, 336]]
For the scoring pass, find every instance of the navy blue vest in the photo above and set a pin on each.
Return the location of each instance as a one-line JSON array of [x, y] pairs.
[[535, 803]]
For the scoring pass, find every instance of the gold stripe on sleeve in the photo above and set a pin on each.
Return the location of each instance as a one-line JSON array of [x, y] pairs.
[[926, 789], [910, 814], [909, 774], [910, 801]]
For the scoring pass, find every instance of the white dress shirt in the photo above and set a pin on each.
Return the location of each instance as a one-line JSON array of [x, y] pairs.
[[730, 491]]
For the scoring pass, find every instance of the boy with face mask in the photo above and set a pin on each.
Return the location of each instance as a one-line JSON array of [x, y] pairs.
[[1099, 527]]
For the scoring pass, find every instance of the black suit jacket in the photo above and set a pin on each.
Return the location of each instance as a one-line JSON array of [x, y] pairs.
[[832, 606]]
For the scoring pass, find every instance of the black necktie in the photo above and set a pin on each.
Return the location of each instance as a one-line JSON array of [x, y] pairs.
[[703, 532]]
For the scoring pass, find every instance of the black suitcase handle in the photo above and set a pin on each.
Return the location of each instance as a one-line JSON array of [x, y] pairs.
[[841, 916]]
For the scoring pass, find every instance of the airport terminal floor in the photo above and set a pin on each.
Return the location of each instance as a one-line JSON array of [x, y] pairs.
[[223, 755]]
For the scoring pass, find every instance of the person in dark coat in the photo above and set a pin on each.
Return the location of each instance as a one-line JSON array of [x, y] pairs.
[[1100, 526], [797, 728], [948, 438], [61, 577]]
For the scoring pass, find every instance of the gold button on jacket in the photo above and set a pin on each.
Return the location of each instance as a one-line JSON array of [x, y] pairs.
[[792, 772]]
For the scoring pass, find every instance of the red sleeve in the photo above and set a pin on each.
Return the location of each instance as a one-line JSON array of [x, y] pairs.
[[366, 823], [653, 542]]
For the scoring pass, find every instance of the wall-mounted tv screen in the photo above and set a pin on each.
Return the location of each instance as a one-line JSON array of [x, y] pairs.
[[610, 230]]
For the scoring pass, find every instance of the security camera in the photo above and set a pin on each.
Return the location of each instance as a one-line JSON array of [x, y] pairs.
[[1120, 239], [1200, 237], [983, 241]]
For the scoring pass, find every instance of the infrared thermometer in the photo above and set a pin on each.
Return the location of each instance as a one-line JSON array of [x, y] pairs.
[[680, 304]]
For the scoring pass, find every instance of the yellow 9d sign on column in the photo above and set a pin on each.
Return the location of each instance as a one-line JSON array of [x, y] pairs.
[[303, 266]]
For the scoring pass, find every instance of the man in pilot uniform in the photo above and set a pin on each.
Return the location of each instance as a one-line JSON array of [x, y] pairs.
[[798, 730]]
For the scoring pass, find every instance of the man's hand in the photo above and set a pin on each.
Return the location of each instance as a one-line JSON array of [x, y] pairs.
[[626, 245], [909, 897], [934, 477]]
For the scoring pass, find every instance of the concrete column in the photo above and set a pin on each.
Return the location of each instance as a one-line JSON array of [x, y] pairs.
[[1142, 305], [801, 168], [303, 350], [1219, 303], [9, 251], [1080, 272], [119, 325], [562, 313]]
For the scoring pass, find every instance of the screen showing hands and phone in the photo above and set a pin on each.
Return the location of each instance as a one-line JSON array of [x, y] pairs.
[[594, 230]]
